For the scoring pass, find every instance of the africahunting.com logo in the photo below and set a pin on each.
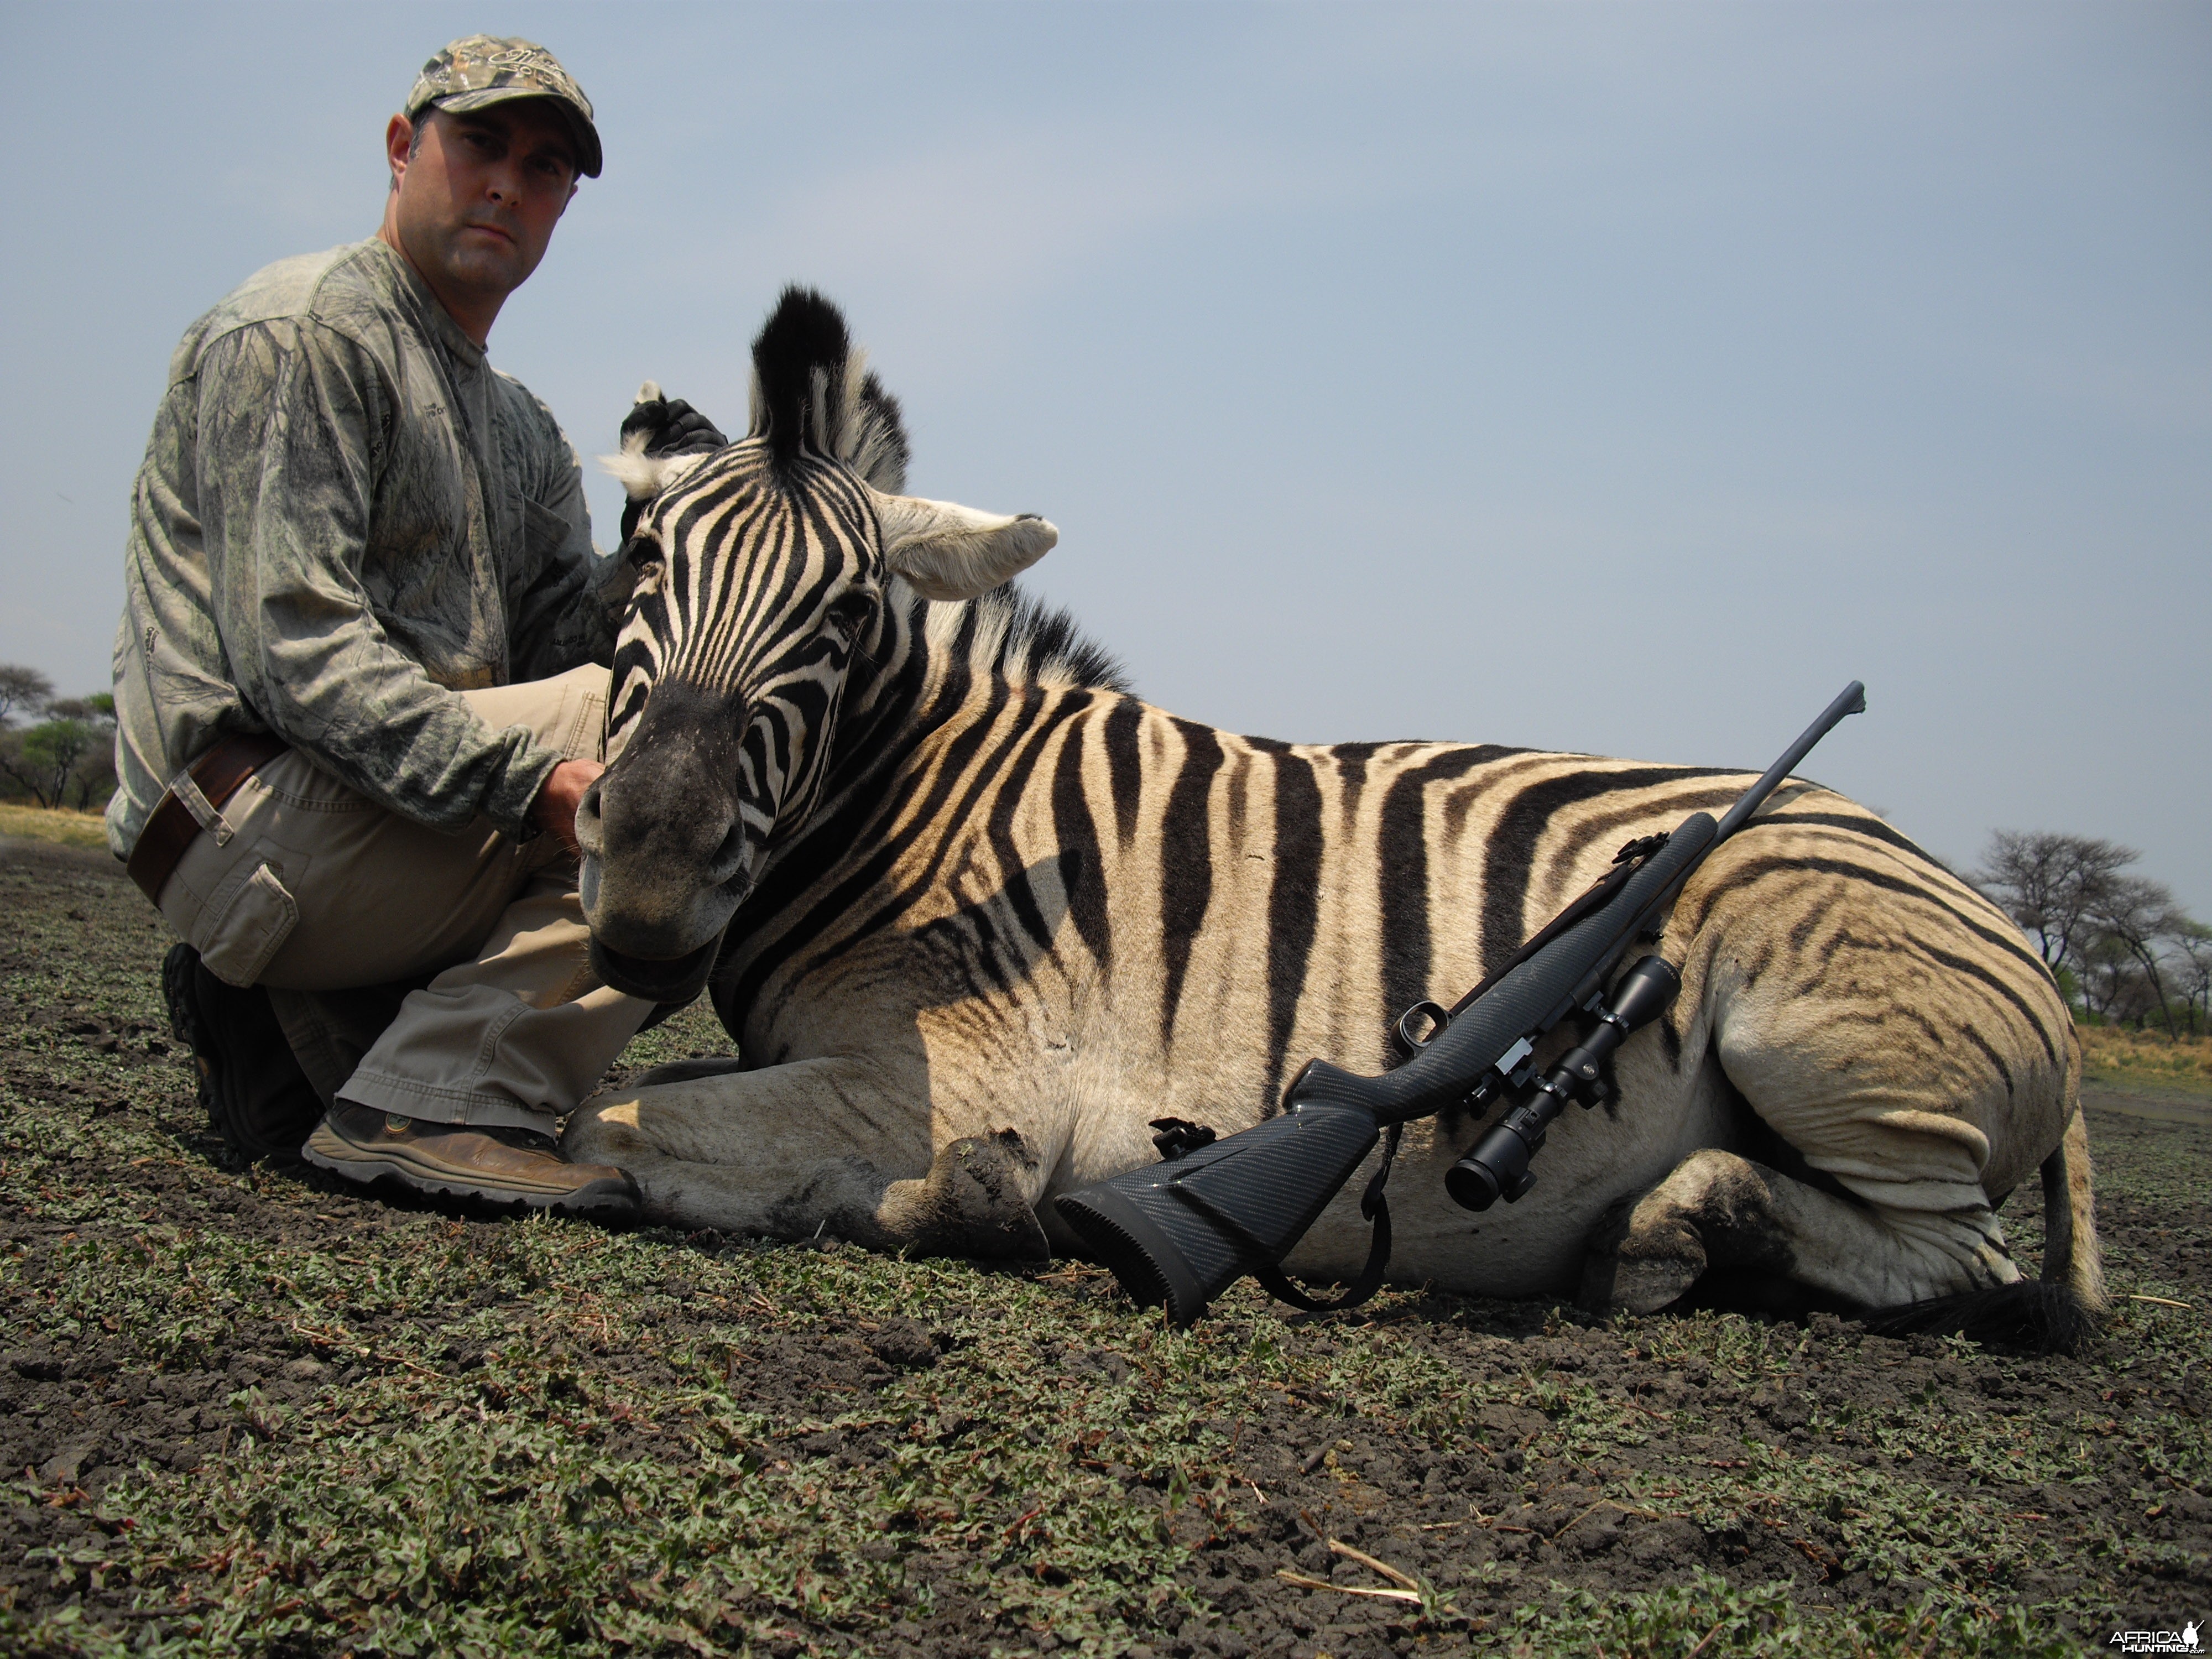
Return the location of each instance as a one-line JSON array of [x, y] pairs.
[[2157, 1641]]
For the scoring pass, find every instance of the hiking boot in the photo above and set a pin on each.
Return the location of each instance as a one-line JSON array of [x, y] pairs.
[[498, 1165], [256, 1097]]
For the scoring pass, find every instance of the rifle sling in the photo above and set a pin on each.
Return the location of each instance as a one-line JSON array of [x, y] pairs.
[[1372, 1204], [1277, 1283]]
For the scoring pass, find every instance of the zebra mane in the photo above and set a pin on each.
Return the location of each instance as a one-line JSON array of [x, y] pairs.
[[812, 387], [1008, 635]]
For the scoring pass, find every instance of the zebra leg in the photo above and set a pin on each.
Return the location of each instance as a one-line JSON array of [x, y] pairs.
[[816, 1146], [1718, 1210]]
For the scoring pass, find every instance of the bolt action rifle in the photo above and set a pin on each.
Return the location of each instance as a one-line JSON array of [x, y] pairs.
[[1183, 1231]]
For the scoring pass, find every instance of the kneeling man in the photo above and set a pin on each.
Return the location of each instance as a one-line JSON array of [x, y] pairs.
[[359, 681]]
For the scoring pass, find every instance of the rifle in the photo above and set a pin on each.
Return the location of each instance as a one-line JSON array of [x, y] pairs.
[[1183, 1231]]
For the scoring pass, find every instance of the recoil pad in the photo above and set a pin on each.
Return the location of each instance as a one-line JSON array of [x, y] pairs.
[[1183, 1231]]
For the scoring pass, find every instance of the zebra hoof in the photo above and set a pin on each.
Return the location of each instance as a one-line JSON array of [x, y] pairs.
[[1633, 1269], [972, 1203]]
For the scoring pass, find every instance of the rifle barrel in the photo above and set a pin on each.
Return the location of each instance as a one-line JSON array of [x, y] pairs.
[[1852, 699]]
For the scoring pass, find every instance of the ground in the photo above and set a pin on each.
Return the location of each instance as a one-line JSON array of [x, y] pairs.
[[248, 1412]]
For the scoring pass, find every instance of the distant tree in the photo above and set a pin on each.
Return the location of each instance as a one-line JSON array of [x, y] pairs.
[[2192, 960], [22, 688], [2051, 883], [50, 751], [18, 773], [2101, 970], [73, 746], [93, 780], [2135, 915], [2118, 941]]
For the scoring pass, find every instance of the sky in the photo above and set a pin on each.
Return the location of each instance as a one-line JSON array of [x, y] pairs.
[[1618, 378]]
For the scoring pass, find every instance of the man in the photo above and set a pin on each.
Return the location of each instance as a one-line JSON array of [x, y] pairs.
[[360, 680]]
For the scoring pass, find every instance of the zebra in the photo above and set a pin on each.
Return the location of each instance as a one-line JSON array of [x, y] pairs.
[[977, 917]]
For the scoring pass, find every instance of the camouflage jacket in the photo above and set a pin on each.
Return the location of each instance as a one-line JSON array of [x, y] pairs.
[[345, 518]]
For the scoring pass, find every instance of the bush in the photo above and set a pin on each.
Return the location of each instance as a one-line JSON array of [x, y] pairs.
[[67, 759]]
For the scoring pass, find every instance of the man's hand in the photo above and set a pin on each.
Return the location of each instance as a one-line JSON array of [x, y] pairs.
[[672, 427], [555, 809]]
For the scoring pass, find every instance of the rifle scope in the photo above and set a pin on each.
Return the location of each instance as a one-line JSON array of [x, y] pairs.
[[1498, 1166]]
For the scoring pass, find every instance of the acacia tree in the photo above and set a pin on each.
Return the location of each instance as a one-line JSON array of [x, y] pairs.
[[91, 775], [73, 745], [28, 690], [2121, 938], [2050, 884], [2136, 916], [21, 688], [2192, 942]]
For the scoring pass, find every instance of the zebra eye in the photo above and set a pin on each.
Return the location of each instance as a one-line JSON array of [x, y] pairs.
[[847, 616], [643, 553]]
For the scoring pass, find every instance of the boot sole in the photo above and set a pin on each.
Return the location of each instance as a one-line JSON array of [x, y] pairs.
[[600, 1199]]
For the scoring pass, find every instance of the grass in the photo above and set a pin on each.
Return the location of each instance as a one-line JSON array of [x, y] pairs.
[[447, 1436], [2129, 1059], [55, 824], [464, 1494]]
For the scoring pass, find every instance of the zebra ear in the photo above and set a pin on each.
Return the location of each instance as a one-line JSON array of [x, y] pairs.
[[952, 552]]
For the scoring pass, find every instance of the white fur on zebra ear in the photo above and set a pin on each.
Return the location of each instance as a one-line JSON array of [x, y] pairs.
[[954, 552]]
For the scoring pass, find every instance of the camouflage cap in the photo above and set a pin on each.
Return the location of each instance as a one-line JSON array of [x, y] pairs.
[[486, 69]]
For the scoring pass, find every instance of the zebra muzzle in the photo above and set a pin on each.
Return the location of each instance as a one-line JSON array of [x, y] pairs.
[[679, 980]]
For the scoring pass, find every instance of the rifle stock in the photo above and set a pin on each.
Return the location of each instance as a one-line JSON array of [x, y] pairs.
[[1183, 1231]]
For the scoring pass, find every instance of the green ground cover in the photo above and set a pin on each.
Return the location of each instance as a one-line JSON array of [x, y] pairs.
[[256, 1415]]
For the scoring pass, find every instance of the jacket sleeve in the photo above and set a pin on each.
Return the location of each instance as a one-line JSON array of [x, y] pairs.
[[293, 423]]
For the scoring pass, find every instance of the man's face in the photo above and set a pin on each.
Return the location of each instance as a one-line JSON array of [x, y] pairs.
[[478, 199]]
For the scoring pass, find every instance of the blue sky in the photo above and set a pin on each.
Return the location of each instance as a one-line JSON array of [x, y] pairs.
[[1620, 379]]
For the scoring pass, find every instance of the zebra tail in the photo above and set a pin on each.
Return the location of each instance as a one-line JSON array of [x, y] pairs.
[[2054, 1313]]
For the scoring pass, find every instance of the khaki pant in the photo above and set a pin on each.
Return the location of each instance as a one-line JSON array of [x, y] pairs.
[[314, 891]]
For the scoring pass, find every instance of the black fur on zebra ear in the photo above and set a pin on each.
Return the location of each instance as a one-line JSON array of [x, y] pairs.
[[801, 348], [872, 438]]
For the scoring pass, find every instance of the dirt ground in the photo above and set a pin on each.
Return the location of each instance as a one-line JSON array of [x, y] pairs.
[[958, 1453]]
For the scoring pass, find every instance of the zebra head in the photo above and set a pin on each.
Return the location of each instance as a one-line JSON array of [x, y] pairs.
[[767, 577]]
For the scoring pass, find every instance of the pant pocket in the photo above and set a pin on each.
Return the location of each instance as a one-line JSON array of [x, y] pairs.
[[246, 923]]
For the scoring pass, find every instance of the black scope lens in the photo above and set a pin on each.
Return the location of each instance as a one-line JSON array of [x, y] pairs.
[[1496, 1168], [1471, 1184]]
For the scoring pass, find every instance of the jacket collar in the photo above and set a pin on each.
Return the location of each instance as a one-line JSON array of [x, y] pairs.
[[415, 296]]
